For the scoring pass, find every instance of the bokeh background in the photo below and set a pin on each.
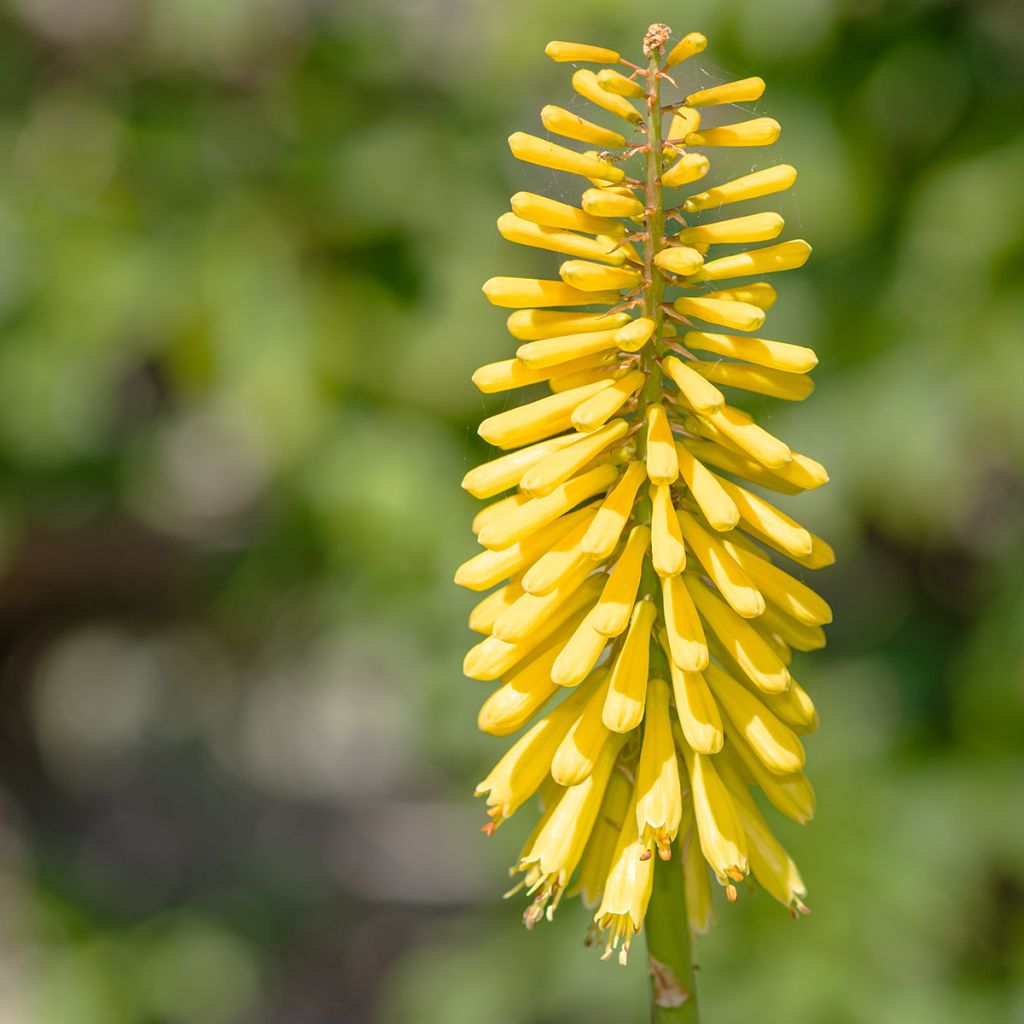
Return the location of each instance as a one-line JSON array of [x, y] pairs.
[[241, 245]]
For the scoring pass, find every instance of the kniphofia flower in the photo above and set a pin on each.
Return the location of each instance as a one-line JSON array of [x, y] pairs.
[[647, 599]]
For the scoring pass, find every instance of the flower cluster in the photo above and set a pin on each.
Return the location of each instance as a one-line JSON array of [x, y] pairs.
[[641, 619]]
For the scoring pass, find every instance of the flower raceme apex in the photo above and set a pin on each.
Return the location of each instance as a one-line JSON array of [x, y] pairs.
[[644, 601]]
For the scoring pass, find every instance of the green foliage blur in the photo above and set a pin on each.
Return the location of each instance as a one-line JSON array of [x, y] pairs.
[[241, 249]]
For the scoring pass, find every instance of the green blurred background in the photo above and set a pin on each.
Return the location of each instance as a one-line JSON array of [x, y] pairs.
[[241, 249]]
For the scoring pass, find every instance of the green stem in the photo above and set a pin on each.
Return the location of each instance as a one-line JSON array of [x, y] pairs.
[[669, 956], [673, 992]]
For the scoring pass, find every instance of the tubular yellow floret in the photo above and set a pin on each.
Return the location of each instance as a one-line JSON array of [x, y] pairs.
[[519, 292], [659, 797], [615, 605], [537, 324], [593, 412], [687, 644], [704, 397], [711, 498], [627, 687], [555, 565], [553, 471], [572, 52], [776, 355], [697, 711], [537, 420], [691, 44], [635, 334], [749, 186], [533, 150], [610, 520], [550, 213], [723, 570], [760, 131], [662, 461], [586, 84], [793, 387], [593, 277], [526, 232], [746, 90], [614, 82], [757, 227], [740, 316], [689, 167], [770, 259], [572, 126], [607, 203], [679, 259], [668, 555]]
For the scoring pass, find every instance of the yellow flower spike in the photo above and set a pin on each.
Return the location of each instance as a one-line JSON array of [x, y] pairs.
[[526, 232], [696, 881], [552, 472], [679, 259], [774, 355], [746, 90], [792, 387], [691, 44], [759, 131], [537, 420], [634, 335], [740, 428], [718, 508], [608, 203], [697, 711], [559, 561], [593, 277], [627, 688], [557, 848], [689, 167], [744, 644], [563, 52], [782, 589], [740, 316], [581, 746], [632, 382], [520, 292], [599, 408], [627, 889], [687, 644], [758, 293], [775, 744], [704, 397], [550, 213], [579, 655], [518, 523], [486, 568], [769, 260], [793, 795], [538, 324], [767, 519], [533, 150], [722, 839], [571, 126], [668, 554], [485, 613], [605, 530], [749, 186], [769, 863], [620, 85], [490, 478], [615, 605], [597, 857], [493, 657], [586, 84], [524, 766], [659, 798], [756, 227], [723, 570], [662, 461]]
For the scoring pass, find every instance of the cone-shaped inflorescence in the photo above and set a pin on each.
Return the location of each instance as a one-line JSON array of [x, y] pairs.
[[645, 599]]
